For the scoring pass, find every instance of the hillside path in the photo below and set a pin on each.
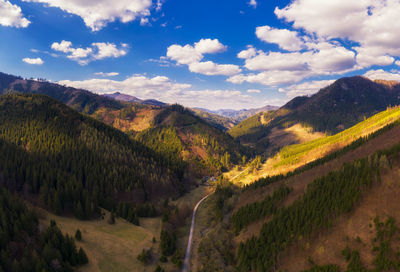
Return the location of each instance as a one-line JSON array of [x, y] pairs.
[[189, 246]]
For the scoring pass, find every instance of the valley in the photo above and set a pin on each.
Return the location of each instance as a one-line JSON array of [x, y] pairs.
[[128, 175], [199, 136]]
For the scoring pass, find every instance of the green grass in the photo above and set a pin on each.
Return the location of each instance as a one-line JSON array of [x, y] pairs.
[[294, 153]]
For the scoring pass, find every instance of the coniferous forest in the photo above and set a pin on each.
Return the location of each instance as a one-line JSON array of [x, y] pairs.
[[72, 163], [23, 247]]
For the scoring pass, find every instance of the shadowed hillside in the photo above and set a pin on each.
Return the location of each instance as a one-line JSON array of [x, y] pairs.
[[203, 144], [71, 163]]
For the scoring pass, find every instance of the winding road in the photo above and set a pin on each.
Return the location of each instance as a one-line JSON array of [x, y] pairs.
[[189, 246]]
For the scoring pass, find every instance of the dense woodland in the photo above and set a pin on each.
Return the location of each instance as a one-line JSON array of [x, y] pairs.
[[181, 136], [72, 163], [23, 247], [325, 199], [257, 210]]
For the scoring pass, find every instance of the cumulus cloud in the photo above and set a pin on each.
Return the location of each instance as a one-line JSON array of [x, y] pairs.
[[210, 68], [306, 88], [110, 74], [11, 15], [35, 61], [97, 51], [286, 39], [193, 56], [276, 68], [98, 13], [382, 74], [208, 46], [248, 53], [374, 25], [166, 90], [269, 78]]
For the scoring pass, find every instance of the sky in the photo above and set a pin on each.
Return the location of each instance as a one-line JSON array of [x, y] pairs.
[[211, 54]]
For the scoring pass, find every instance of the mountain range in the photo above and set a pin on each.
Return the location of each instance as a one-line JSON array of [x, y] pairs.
[[310, 186]]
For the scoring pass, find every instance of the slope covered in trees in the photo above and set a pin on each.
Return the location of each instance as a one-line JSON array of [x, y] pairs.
[[292, 157], [23, 247], [330, 205], [72, 163], [334, 108], [205, 148], [203, 143]]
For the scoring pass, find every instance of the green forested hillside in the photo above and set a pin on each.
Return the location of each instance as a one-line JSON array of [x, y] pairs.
[[183, 136], [204, 146], [72, 163], [23, 247]]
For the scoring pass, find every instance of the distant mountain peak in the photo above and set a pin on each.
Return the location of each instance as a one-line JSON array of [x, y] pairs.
[[122, 97]]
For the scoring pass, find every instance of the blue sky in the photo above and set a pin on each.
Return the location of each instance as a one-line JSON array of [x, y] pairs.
[[211, 54]]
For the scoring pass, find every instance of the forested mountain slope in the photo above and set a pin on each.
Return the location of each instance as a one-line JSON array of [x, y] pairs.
[[203, 144], [175, 130], [334, 108], [24, 247], [337, 214], [71, 163], [291, 157]]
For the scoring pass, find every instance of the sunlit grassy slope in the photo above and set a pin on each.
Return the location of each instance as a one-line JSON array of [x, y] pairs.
[[293, 156], [112, 247]]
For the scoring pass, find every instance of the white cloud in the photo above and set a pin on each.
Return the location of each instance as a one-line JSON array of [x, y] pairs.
[[397, 62], [97, 51], [253, 91], [110, 74], [109, 50], [192, 56], [183, 54], [208, 46], [36, 61], [210, 68], [367, 57], [253, 3], [276, 68], [248, 53], [63, 46], [164, 89], [98, 13], [307, 88], [11, 15], [286, 39], [372, 24], [269, 78], [381, 74]]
